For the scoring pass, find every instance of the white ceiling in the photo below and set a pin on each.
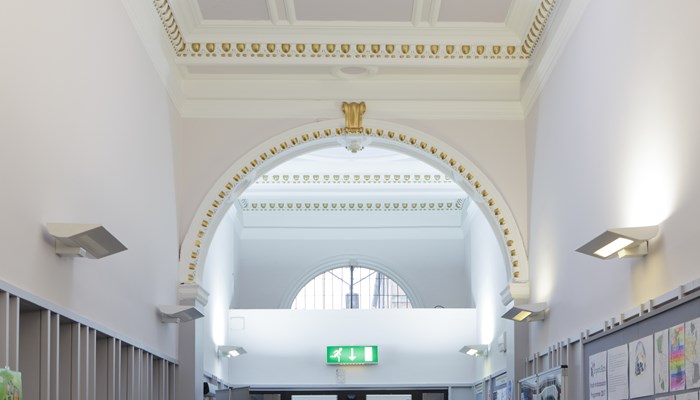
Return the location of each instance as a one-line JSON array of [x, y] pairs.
[[243, 57], [334, 188], [274, 11]]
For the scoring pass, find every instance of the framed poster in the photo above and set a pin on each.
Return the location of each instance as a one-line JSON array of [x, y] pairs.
[[10, 384], [479, 391], [528, 388], [550, 384]]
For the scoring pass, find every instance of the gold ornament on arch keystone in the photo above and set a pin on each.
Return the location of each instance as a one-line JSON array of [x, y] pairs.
[[353, 116]]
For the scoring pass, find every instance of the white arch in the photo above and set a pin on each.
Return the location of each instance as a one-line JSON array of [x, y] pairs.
[[345, 260], [318, 135]]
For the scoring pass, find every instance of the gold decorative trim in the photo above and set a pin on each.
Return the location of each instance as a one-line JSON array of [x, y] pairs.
[[352, 51], [170, 26], [504, 225], [453, 205], [353, 115], [356, 179], [537, 26]]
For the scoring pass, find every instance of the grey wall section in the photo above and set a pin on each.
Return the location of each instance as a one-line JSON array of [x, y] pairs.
[[665, 317]]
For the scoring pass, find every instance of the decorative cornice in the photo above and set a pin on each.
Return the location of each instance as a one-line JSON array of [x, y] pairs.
[[537, 26], [535, 79], [450, 205], [355, 51], [170, 25], [355, 179]]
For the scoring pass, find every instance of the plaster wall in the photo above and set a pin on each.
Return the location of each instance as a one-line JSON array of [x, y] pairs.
[[86, 127], [275, 263], [488, 277], [219, 284], [612, 144], [288, 348]]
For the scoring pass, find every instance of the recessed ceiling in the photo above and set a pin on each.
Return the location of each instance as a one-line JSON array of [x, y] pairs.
[[336, 188], [402, 46]]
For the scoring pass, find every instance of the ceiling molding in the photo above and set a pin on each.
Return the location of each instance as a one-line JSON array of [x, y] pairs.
[[397, 52], [353, 179], [564, 26], [328, 109], [169, 47], [195, 47], [351, 206], [520, 16], [158, 47]]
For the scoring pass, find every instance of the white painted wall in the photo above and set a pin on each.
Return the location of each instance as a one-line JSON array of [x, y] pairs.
[[488, 277], [275, 263], [86, 128], [416, 347], [219, 283], [614, 142]]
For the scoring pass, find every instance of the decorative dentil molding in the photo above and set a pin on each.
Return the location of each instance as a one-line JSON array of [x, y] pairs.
[[354, 179], [356, 51], [328, 206]]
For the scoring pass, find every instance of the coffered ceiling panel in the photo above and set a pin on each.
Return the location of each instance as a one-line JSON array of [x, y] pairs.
[[483, 46], [474, 10], [355, 10], [234, 10]]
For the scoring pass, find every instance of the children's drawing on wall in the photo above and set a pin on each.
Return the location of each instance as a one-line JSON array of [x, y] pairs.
[[10, 385], [677, 352], [661, 361], [692, 354], [641, 367]]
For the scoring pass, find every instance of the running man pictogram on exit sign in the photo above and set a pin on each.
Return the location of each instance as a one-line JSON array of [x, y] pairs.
[[351, 355]]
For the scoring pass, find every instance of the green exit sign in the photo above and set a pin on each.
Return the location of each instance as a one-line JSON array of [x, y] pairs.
[[351, 355]]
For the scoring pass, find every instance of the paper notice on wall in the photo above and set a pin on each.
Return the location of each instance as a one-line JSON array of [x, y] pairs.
[[676, 349], [598, 376], [661, 362], [617, 373], [692, 354], [641, 367]]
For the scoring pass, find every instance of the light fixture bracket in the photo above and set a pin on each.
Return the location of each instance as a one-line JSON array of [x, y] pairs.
[[526, 312], [623, 242], [83, 240], [179, 313], [475, 350], [230, 351]]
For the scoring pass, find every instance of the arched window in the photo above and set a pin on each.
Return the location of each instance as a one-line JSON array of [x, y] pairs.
[[350, 287]]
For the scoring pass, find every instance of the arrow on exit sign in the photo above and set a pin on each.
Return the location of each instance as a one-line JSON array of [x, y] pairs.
[[351, 355]]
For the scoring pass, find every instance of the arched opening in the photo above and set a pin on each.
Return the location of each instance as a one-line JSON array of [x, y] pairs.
[[324, 134], [497, 262]]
